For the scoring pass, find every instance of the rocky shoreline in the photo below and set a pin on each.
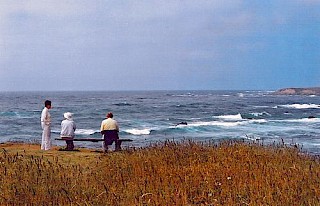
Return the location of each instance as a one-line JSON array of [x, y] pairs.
[[299, 91]]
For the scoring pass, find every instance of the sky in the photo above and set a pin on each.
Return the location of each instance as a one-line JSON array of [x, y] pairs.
[[85, 45]]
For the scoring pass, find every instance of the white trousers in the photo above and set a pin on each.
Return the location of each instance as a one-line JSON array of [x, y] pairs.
[[46, 137]]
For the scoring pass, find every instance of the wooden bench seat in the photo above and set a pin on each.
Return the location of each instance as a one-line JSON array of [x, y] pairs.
[[95, 140]]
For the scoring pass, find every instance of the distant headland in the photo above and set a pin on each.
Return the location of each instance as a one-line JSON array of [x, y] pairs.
[[299, 91]]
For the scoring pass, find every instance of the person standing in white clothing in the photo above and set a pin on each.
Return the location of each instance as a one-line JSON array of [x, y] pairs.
[[46, 126]]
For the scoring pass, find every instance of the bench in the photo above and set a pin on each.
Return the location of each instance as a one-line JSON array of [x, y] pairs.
[[119, 141]]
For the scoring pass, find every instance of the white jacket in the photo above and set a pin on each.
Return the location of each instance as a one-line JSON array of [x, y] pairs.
[[67, 128], [45, 117]]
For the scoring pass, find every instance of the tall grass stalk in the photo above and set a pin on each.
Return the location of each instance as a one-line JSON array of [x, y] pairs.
[[168, 173]]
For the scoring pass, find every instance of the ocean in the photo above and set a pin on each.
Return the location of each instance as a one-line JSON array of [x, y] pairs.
[[149, 117]]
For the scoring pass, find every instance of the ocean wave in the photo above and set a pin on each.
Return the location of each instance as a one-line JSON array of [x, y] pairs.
[[183, 95], [257, 114], [302, 120], [123, 104], [80, 131], [300, 106], [258, 121], [230, 117], [262, 106], [226, 123], [138, 131], [252, 137], [86, 131], [214, 123], [9, 114], [240, 95], [23, 115], [189, 127]]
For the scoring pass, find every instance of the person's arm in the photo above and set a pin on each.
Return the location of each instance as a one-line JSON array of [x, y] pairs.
[[101, 128], [61, 132], [44, 115]]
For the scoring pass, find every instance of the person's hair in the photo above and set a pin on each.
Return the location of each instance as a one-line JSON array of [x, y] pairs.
[[47, 102], [110, 115]]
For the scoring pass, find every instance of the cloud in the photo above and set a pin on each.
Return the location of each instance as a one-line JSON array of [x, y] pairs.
[[159, 40], [24, 24]]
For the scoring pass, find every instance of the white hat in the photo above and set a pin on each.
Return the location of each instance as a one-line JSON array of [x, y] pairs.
[[68, 115]]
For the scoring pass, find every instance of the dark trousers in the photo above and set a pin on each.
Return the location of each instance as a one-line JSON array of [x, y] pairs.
[[109, 137], [69, 142], [70, 145]]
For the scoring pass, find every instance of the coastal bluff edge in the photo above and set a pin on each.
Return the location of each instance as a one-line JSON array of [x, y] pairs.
[[299, 91]]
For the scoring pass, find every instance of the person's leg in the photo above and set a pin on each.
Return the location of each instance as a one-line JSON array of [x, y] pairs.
[[117, 145], [104, 144], [43, 139], [69, 145], [46, 138], [66, 145], [104, 147]]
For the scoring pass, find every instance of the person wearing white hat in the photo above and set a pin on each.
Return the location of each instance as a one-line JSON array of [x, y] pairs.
[[68, 127]]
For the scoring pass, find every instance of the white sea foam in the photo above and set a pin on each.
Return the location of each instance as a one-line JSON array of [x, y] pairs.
[[252, 137], [240, 95], [85, 131], [222, 123], [303, 120], [300, 106], [216, 123], [257, 114], [183, 95], [138, 131], [261, 106], [258, 121], [230, 117]]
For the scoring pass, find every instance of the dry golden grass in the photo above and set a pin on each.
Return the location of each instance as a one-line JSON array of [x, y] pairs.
[[169, 173]]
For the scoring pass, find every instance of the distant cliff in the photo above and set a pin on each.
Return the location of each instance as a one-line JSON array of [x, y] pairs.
[[299, 91]]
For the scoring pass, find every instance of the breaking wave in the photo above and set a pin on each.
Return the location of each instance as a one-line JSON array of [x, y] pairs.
[[300, 106], [138, 131], [230, 117]]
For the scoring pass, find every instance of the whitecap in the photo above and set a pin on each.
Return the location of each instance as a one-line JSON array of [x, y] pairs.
[[301, 106], [230, 117], [303, 120], [138, 131], [257, 114], [252, 137], [261, 106], [240, 94], [86, 131], [215, 123], [259, 121]]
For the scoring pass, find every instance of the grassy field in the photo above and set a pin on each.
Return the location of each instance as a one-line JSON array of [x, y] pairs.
[[169, 173]]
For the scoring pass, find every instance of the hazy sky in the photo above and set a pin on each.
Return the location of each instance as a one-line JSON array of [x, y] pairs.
[[159, 44]]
